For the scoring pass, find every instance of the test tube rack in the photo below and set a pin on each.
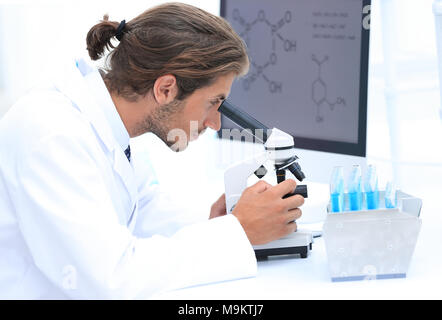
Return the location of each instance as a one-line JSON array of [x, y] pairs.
[[372, 244]]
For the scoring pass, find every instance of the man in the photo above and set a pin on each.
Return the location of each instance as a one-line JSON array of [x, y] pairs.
[[78, 217]]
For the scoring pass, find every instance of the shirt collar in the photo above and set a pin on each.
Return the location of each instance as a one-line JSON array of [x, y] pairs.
[[101, 95]]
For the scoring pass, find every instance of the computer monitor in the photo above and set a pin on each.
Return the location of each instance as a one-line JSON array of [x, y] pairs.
[[308, 73]]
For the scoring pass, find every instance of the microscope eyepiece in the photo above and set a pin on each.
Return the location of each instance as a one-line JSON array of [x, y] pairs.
[[244, 120]]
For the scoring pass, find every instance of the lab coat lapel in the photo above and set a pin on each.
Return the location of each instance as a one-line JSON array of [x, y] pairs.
[[71, 83], [125, 170]]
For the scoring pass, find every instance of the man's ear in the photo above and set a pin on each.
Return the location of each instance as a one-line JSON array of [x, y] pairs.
[[165, 89]]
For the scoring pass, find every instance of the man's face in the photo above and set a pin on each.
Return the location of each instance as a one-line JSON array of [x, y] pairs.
[[179, 122]]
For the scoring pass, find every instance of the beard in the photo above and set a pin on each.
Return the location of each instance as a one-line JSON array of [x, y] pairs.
[[163, 122]]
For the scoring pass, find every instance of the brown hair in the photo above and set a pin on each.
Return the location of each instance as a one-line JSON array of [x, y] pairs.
[[174, 38]]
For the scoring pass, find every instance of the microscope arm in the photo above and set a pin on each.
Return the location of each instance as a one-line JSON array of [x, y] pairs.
[[236, 176], [278, 145], [279, 148]]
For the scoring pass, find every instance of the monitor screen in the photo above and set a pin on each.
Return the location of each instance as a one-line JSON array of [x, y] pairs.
[[308, 69]]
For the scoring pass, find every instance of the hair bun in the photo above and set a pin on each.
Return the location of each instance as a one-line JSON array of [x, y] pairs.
[[99, 37]]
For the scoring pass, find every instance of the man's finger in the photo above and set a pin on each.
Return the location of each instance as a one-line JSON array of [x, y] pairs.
[[290, 228], [293, 215], [281, 189], [294, 201], [260, 187]]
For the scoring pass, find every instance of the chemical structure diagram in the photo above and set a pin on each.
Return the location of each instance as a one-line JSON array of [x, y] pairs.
[[319, 91], [261, 69]]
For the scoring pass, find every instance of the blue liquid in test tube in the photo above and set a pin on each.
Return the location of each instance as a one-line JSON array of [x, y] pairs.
[[337, 190], [371, 188], [355, 189]]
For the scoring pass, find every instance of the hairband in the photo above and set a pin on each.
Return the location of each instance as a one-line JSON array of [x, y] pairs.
[[120, 30]]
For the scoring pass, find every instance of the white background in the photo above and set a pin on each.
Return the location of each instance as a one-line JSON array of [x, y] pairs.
[[404, 136]]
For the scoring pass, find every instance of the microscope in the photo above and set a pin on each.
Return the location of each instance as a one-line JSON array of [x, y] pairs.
[[277, 157]]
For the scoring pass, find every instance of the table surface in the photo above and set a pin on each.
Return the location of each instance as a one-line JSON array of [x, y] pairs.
[[290, 277]]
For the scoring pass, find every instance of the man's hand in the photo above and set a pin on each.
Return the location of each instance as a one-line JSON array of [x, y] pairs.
[[264, 215], [218, 209]]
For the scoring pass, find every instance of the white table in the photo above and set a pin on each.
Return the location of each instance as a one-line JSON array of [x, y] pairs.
[[290, 277]]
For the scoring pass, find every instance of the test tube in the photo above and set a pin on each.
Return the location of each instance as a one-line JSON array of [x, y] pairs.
[[390, 196], [371, 188], [337, 189], [355, 189]]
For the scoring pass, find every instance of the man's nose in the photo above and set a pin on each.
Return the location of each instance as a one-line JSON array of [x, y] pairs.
[[214, 122]]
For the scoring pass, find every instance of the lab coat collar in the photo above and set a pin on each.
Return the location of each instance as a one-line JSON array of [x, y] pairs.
[[98, 88], [70, 82]]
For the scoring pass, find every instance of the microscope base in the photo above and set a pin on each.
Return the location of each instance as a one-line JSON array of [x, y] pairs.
[[299, 242]]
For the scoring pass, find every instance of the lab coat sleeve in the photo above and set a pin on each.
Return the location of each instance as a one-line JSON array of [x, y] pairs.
[[159, 212], [72, 230]]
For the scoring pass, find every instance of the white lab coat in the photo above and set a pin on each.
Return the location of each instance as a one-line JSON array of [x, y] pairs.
[[77, 220]]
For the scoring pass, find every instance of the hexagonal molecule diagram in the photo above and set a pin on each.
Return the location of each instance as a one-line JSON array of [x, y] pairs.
[[319, 91], [260, 70]]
